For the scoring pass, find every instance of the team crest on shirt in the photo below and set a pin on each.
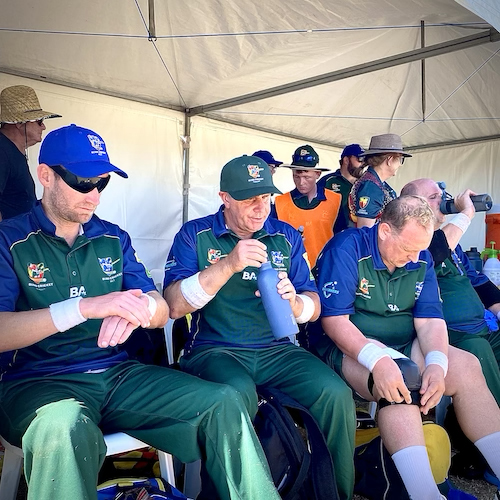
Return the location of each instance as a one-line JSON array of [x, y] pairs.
[[213, 256], [364, 288], [107, 264], [363, 201], [335, 188], [418, 289], [277, 258], [36, 272]]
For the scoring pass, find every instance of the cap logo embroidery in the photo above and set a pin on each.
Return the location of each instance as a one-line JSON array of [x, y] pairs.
[[253, 171], [97, 144], [304, 152]]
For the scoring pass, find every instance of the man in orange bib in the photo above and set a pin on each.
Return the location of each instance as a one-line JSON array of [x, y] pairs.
[[309, 208]]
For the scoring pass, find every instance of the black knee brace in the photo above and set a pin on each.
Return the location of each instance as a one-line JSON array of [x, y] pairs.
[[412, 380]]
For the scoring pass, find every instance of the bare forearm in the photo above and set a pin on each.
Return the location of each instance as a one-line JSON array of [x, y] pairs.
[[432, 335], [345, 334], [22, 329]]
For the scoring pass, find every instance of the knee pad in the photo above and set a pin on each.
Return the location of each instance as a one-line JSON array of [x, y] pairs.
[[412, 380]]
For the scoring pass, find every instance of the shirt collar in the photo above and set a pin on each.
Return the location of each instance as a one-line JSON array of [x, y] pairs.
[[320, 194], [219, 227]]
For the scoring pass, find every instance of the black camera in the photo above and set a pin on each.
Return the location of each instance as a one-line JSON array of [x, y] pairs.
[[481, 202]]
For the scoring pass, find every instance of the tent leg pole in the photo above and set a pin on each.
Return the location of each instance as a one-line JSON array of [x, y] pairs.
[[186, 142]]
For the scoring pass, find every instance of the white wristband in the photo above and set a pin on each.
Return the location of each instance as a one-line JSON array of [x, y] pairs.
[[66, 314], [152, 305], [193, 292], [498, 315], [308, 309], [461, 221], [370, 355], [437, 358]]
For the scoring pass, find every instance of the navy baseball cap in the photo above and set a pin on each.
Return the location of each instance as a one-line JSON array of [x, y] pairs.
[[247, 176], [267, 157], [79, 150], [352, 150]]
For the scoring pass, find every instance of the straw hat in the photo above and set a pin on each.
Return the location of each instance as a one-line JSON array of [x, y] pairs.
[[19, 104]]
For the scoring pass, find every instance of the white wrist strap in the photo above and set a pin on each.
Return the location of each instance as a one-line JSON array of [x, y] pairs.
[[66, 314], [437, 358], [498, 315], [193, 292], [308, 309], [461, 221], [370, 355], [152, 305]]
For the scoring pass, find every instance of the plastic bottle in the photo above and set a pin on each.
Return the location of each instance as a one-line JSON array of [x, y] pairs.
[[475, 258], [491, 267], [489, 252], [278, 311]]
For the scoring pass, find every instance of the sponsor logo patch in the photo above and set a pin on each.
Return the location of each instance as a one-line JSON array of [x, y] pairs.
[[329, 289]]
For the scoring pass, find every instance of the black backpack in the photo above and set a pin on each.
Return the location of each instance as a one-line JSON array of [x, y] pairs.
[[298, 457]]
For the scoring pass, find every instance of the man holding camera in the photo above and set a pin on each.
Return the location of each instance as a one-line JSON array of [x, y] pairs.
[[465, 292]]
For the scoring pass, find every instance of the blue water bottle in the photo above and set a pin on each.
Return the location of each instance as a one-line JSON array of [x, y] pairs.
[[278, 310]]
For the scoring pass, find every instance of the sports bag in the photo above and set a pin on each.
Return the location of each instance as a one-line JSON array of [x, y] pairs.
[[298, 457]]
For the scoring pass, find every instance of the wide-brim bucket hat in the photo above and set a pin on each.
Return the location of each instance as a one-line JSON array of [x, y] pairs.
[[20, 104], [385, 143]]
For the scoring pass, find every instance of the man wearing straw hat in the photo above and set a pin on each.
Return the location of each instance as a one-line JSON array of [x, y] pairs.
[[21, 126]]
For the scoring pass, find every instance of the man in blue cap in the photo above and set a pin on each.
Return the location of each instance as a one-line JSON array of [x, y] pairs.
[[341, 182], [269, 159], [72, 291]]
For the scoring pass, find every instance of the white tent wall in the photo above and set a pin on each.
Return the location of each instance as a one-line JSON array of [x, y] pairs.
[[144, 140], [141, 139], [214, 143]]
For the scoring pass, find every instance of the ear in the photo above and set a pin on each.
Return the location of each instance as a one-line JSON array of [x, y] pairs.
[[45, 174], [384, 231], [318, 174], [225, 198]]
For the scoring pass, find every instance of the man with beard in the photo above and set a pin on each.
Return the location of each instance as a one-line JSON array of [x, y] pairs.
[[72, 291], [341, 181]]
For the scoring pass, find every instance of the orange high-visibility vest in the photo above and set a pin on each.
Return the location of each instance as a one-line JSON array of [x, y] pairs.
[[317, 222]]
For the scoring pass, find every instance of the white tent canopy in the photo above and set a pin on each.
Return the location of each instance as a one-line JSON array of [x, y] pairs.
[[207, 69]]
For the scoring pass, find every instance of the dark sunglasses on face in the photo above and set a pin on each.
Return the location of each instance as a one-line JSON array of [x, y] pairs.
[[81, 184], [40, 122]]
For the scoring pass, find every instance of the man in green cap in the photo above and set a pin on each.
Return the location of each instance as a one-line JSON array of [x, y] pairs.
[[211, 273], [309, 207]]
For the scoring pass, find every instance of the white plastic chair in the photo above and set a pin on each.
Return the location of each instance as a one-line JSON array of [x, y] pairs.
[[116, 443]]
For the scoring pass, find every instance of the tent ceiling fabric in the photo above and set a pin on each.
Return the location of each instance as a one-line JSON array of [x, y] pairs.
[[210, 51]]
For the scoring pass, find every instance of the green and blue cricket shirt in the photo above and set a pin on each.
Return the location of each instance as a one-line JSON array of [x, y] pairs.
[[353, 280], [38, 268], [235, 316]]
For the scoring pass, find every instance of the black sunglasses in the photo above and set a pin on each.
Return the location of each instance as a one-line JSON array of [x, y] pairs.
[[81, 184], [40, 122]]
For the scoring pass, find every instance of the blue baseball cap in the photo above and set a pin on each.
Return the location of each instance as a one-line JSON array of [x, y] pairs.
[[79, 150], [352, 150], [267, 157]]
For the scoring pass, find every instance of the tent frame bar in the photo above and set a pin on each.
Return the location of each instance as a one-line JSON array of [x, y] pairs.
[[422, 53]]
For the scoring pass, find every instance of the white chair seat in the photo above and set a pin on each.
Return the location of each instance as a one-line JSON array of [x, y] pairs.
[[116, 443]]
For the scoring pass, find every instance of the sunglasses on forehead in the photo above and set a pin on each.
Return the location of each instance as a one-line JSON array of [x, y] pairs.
[[81, 184]]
